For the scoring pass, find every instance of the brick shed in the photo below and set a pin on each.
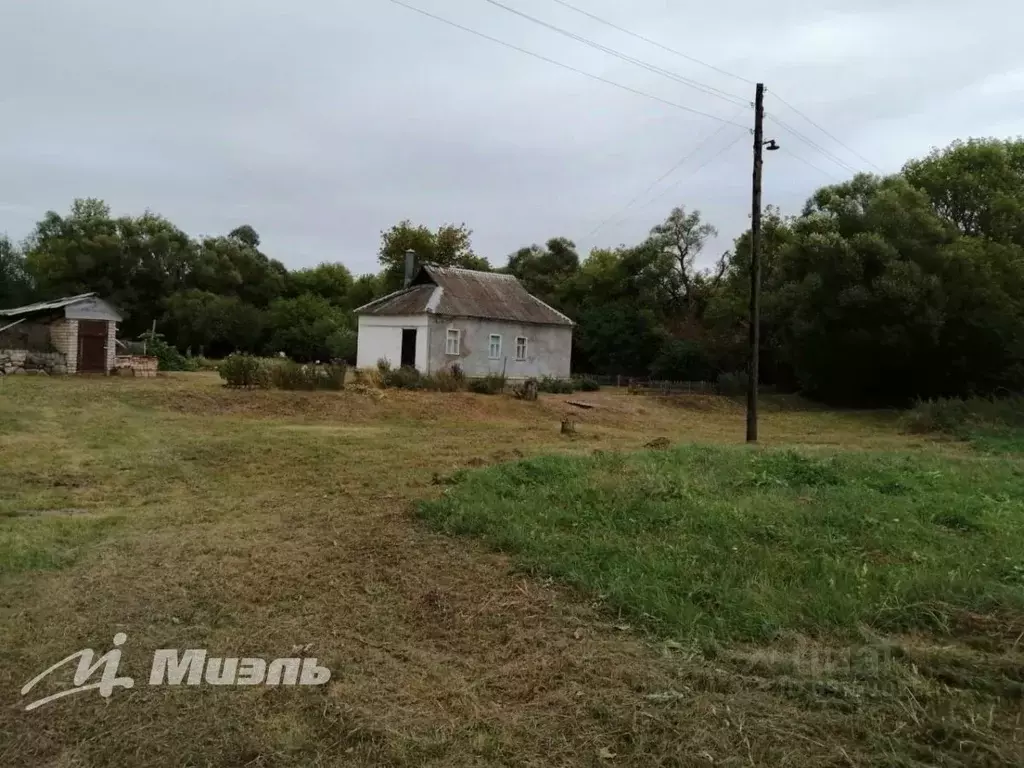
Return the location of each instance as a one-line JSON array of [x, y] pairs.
[[75, 334]]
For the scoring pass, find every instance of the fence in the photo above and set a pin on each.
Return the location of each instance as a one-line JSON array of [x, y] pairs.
[[654, 386]]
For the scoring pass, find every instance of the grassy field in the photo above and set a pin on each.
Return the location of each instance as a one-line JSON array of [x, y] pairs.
[[257, 523]]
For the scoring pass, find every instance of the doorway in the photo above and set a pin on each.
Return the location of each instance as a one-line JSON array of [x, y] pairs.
[[92, 346], [409, 347]]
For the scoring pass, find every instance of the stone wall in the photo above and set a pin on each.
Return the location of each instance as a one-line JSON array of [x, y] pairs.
[[22, 361]]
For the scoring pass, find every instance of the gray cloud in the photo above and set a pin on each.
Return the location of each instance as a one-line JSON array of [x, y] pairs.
[[322, 122]]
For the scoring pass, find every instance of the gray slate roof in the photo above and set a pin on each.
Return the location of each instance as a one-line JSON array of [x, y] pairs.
[[44, 306], [457, 292]]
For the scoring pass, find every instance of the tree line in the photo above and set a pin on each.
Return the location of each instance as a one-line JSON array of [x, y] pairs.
[[882, 289]]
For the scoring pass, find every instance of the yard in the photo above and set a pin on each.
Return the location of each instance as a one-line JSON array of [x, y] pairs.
[[265, 523]]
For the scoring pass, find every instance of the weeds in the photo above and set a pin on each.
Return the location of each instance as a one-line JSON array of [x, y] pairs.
[[242, 370], [994, 423], [494, 384], [555, 386], [292, 375]]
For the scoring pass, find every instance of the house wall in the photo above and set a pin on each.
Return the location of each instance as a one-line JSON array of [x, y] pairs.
[[111, 344], [64, 337], [548, 348], [381, 337]]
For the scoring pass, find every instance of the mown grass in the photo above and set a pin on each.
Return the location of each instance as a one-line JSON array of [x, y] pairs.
[[258, 522], [730, 543]]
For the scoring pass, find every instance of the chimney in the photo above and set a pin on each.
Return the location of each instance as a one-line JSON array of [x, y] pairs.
[[410, 266]]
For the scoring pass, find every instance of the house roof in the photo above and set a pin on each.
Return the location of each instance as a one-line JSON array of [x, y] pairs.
[[54, 304], [466, 293]]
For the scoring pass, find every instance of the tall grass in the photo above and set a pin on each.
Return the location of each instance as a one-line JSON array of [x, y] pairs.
[[995, 423], [732, 543]]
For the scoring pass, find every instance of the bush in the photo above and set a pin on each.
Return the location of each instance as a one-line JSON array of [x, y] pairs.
[[444, 381], [406, 377], [292, 375], [587, 385], [963, 418], [368, 377], [242, 370], [733, 384], [525, 391], [170, 359], [494, 384], [555, 386], [201, 363]]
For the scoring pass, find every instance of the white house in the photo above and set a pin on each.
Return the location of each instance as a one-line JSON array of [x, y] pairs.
[[483, 321]]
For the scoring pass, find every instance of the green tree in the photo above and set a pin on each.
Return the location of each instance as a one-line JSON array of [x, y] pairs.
[[15, 284], [133, 262], [332, 282], [546, 271], [213, 324], [301, 327], [978, 185], [679, 240], [450, 246]]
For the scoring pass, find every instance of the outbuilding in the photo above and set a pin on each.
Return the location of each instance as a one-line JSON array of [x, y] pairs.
[[75, 334]]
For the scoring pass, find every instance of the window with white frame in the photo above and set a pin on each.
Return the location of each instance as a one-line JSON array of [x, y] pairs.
[[494, 350], [520, 347], [451, 342]]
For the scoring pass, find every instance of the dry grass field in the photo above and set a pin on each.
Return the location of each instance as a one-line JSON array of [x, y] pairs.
[[255, 523]]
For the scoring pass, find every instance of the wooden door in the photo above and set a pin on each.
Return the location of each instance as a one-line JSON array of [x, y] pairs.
[[92, 346]]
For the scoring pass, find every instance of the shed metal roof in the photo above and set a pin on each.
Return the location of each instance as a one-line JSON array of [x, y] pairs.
[[455, 292], [54, 304]]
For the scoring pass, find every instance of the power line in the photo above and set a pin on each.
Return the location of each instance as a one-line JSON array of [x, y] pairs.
[[700, 167], [652, 42], [695, 60], [618, 214], [837, 141], [834, 158], [702, 87], [560, 64], [809, 164], [656, 182]]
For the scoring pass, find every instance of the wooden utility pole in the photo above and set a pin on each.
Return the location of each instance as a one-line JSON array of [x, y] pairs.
[[755, 268]]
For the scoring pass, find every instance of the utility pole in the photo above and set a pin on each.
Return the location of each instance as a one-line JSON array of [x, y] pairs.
[[755, 267]]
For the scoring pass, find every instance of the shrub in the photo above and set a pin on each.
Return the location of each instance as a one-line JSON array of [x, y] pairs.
[[444, 381], [383, 365], [242, 370], [170, 359], [587, 385], [406, 377], [734, 383], [962, 418], [525, 391], [368, 377], [555, 386], [202, 363], [295, 376], [493, 384]]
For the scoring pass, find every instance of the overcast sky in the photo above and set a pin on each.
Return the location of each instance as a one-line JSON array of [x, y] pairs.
[[322, 122]]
